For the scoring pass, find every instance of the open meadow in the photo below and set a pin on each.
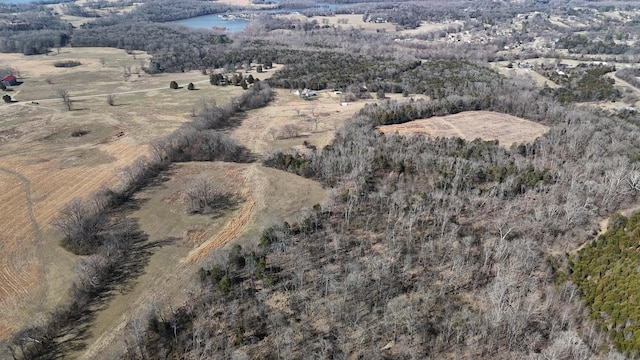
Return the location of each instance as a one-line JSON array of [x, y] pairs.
[[470, 125], [51, 154], [44, 166]]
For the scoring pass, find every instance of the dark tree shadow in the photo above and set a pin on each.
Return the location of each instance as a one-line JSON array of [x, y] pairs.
[[121, 280], [222, 204]]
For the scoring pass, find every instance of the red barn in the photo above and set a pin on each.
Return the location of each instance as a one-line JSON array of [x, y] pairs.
[[9, 80]]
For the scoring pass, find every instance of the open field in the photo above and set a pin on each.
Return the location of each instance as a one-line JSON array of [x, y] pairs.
[[262, 129], [429, 27], [535, 77], [43, 167], [184, 241], [346, 21], [471, 125]]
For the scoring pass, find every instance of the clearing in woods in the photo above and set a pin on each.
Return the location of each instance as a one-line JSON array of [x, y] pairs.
[[470, 125]]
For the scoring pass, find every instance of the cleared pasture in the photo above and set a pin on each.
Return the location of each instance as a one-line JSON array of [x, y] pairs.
[[470, 125], [43, 167]]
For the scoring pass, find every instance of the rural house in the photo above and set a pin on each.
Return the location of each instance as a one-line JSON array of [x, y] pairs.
[[9, 80]]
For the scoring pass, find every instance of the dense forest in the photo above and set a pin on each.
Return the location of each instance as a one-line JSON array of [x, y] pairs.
[[428, 247], [606, 272]]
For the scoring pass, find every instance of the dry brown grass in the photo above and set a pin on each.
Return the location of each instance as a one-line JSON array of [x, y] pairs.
[[470, 125], [536, 78], [37, 149], [261, 129], [42, 167], [170, 274], [428, 27], [347, 21]]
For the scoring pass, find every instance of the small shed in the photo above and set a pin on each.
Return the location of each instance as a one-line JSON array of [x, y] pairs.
[[9, 80]]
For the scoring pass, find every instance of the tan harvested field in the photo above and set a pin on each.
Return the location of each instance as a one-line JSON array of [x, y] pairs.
[[428, 27], [355, 20], [348, 21], [78, 20], [42, 167], [471, 125]]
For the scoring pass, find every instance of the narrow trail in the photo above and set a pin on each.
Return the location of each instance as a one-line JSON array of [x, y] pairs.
[[604, 225], [624, 84], [230, 231]]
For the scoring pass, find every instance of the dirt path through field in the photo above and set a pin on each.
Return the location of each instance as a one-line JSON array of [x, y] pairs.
[[170, 275], [470, 125]]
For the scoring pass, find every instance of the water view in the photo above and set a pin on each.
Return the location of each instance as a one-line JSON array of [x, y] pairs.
[[213, 20]]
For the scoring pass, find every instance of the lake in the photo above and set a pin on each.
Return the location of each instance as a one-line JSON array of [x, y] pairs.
[[207, 21]]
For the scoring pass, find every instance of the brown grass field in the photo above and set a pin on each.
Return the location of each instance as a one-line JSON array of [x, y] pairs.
[[268, 195], [261, 129], [348, 21], [470, 125], [42, 167]]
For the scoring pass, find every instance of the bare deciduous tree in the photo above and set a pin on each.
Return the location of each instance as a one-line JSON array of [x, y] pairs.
[[204, 197], [66, 98], [290, 131], [273, 132]]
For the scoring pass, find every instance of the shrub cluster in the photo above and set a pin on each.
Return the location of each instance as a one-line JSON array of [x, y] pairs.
[[67, 63]]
